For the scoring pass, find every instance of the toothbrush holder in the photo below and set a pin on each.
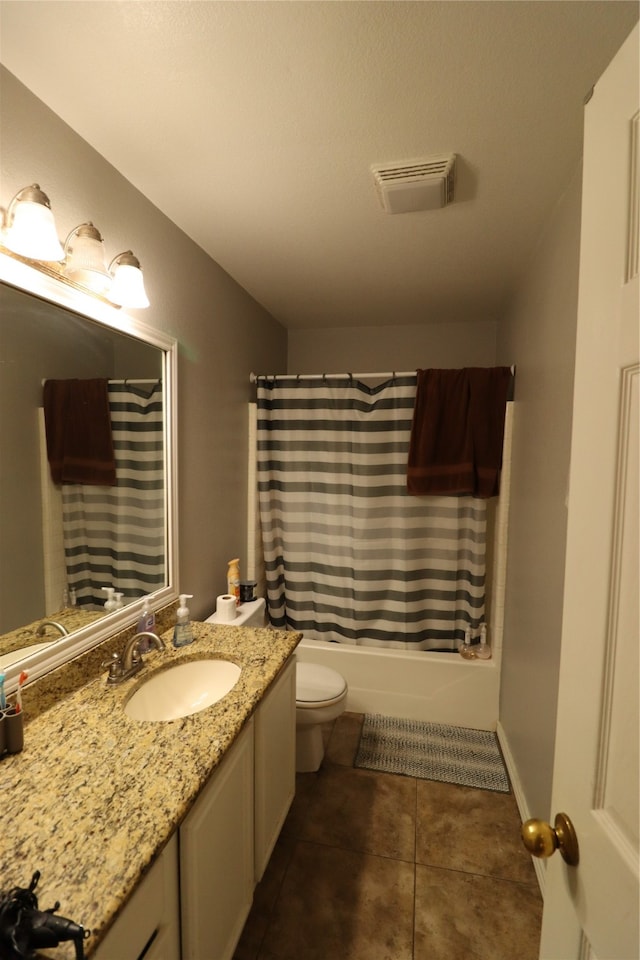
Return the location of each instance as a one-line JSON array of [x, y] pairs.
[[11, 730]]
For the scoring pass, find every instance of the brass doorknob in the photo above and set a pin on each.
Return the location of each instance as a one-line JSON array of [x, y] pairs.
[[541, 840]]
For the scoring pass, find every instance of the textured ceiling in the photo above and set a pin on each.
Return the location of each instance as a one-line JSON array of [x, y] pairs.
[[273, 112]]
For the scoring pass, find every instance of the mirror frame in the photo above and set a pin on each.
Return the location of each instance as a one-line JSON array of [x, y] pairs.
[[44, 283]]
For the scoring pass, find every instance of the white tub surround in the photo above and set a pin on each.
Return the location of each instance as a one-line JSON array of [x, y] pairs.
[[434, 687]]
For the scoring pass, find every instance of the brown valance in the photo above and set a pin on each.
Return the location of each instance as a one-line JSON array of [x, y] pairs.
[[458, 431], [78, 428]]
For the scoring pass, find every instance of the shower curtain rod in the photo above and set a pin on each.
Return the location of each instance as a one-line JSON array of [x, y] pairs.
[[128, 380], [254, 377]]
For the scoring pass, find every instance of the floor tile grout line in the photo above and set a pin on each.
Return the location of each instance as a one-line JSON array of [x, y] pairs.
[[359, 852], [475, 873]]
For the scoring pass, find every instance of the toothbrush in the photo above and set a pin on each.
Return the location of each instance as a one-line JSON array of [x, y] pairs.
[[3, 699], [21, 679]]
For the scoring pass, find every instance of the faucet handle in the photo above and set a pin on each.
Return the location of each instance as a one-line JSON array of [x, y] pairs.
[[115, 667]]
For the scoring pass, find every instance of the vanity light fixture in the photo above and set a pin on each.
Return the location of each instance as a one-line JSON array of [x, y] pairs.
[[29, 234], [84, 258], [30, 228], [127, 289]]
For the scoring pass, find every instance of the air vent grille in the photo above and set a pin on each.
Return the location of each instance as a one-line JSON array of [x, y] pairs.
[[423, 184]]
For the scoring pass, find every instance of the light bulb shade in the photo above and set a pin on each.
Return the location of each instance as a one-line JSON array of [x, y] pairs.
[[127, 289], [31, 230], [85, 258]]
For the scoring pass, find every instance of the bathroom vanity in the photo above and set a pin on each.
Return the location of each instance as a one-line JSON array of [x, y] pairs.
[[153, 835]]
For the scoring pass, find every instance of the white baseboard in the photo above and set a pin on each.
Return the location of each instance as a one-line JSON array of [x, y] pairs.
[[525, 814]]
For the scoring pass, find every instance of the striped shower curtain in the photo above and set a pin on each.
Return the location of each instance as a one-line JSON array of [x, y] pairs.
[[349, 555], [115, 536]]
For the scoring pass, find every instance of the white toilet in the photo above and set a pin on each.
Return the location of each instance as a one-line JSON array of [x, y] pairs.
[[321, 695], [321, 692]]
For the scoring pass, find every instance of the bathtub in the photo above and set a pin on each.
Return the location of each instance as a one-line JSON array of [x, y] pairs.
[[434, 687]]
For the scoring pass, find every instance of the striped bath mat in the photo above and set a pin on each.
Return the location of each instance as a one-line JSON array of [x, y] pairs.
[[432, 751]]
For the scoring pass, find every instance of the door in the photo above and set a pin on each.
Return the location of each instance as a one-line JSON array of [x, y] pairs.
[[591, 911]]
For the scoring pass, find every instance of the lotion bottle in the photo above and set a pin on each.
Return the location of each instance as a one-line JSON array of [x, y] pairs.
[[183, 632]]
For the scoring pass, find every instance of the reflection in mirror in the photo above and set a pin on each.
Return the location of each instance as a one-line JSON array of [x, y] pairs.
[[65, 543]]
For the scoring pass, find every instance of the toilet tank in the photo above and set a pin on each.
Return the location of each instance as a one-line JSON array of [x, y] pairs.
[[250, 614]]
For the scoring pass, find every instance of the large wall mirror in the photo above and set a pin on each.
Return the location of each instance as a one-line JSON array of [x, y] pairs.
[[61, 545]]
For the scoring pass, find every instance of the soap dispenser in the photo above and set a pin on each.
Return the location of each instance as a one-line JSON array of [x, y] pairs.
[[484, 650], [465, 649], [111, 602], [183, 632]]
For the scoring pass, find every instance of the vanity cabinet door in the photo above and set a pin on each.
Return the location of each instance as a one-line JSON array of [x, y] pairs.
[[275, 763], [149, 925], [216, 858]]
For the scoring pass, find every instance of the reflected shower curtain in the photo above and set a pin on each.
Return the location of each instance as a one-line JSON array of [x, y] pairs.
[[115, 536], [349, 555]]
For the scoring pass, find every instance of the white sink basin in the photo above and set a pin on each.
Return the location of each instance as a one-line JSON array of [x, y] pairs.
[[182, 690]]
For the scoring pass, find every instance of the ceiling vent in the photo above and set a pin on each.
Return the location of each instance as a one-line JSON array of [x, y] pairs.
[[424, 184]]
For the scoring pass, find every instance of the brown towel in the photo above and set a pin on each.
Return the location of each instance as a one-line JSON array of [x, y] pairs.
[[458, 431], [78, 428]]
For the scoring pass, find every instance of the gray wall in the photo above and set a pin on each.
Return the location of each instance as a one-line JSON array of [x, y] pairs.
[[223, 333], [538, 334], [384, 349]]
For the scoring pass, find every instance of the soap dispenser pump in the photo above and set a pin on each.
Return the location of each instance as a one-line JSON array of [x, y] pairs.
[[183, 632]]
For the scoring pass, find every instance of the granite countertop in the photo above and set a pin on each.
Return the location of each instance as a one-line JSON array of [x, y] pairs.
[[94, 796]]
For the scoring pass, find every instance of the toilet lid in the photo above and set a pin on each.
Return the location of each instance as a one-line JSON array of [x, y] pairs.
[[315, 683]]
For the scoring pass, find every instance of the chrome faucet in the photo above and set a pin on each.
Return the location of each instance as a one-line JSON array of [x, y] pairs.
[[121, 668], [42, 628], [131, 655]]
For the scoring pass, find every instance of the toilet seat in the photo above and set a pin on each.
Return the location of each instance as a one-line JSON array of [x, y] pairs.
[[318, 686]]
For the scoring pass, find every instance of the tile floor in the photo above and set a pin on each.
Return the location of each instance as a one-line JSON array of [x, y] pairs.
[[374, 866]]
